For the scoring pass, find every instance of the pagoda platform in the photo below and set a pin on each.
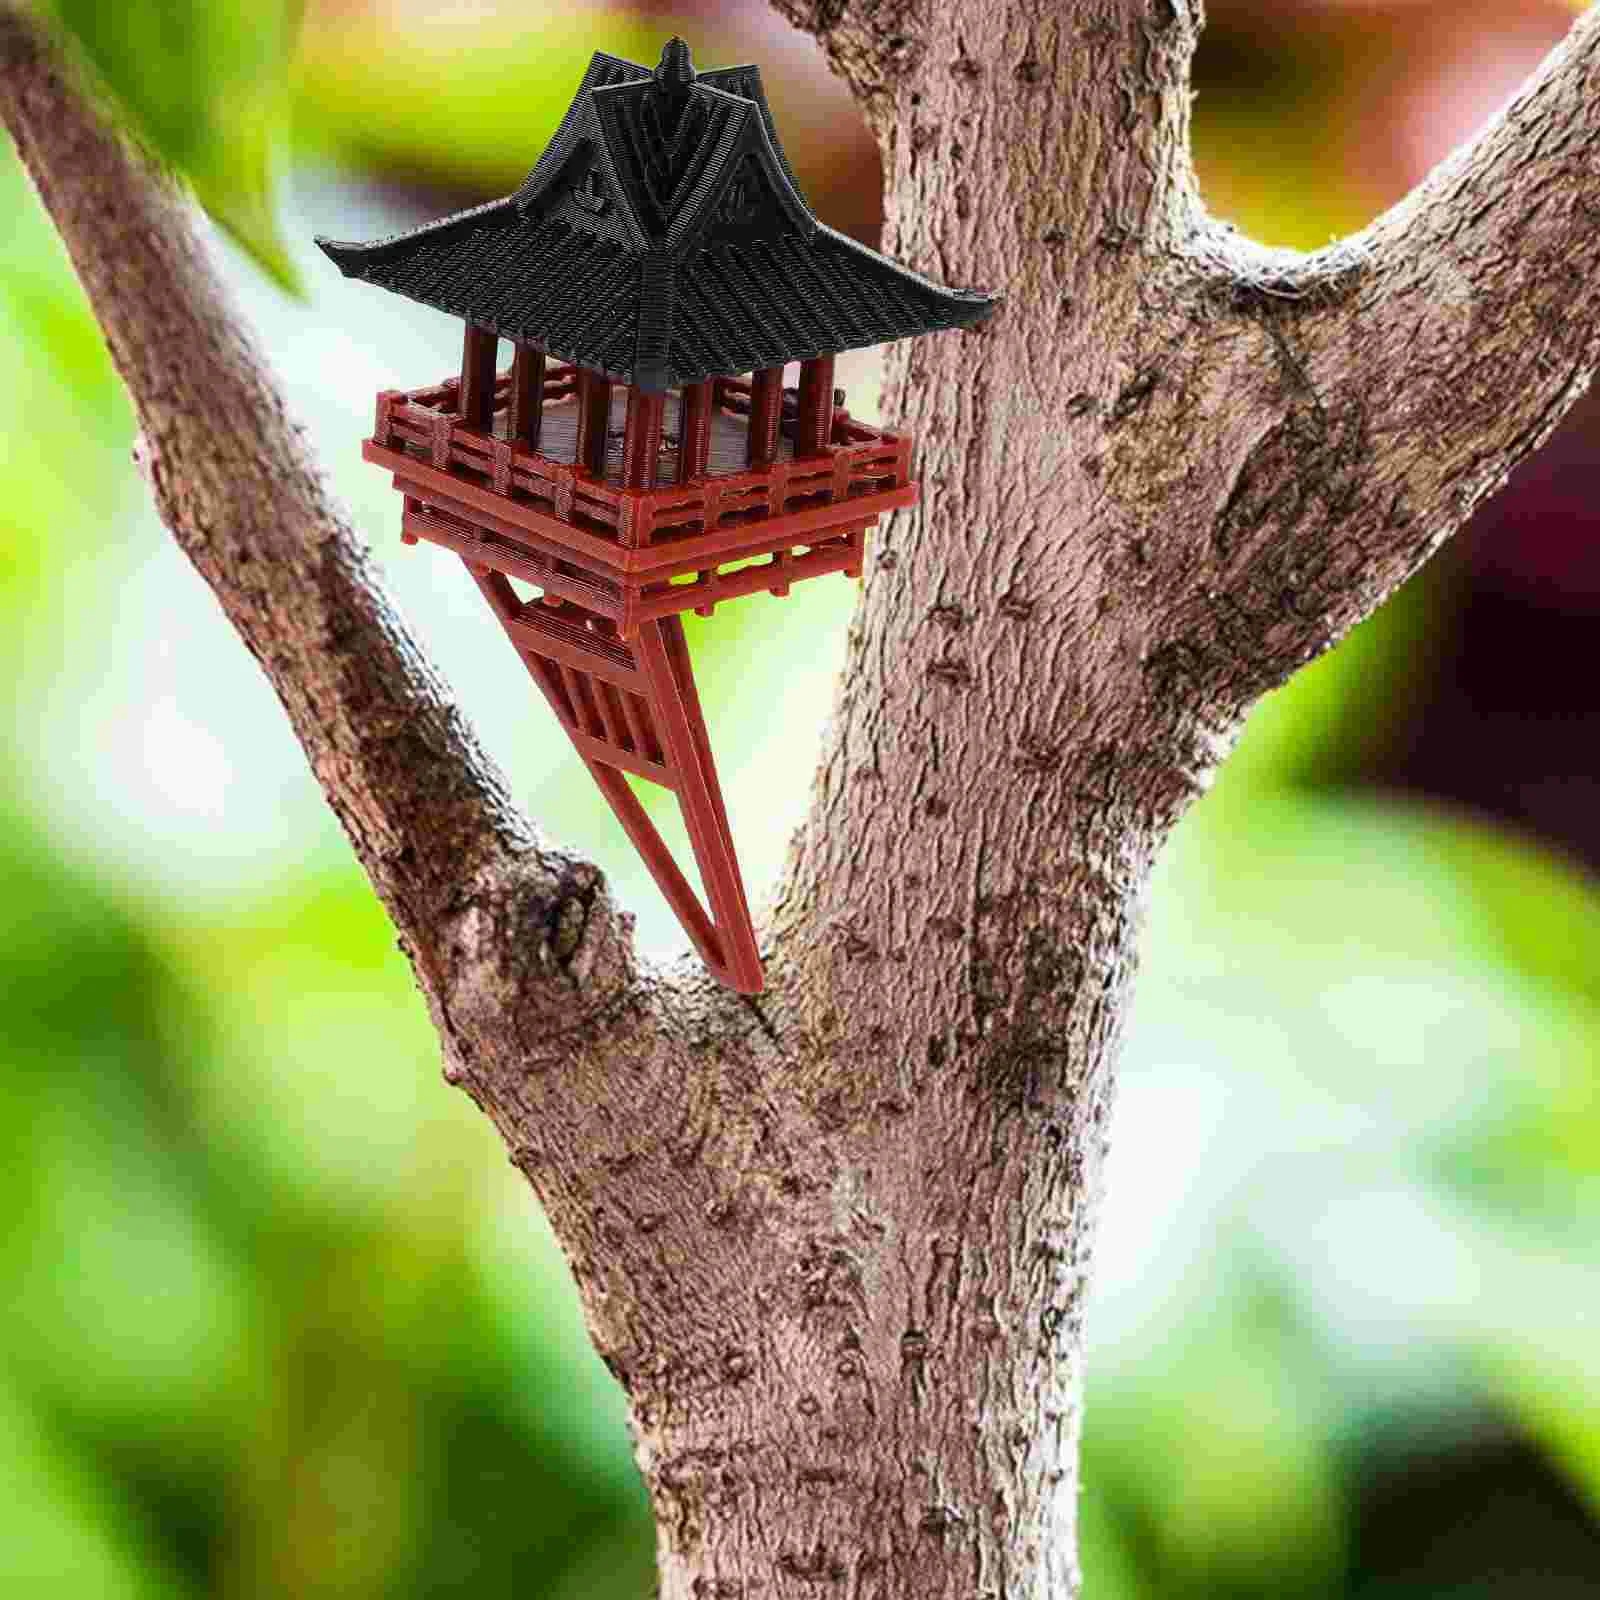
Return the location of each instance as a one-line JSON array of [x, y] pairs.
[[635, 555]]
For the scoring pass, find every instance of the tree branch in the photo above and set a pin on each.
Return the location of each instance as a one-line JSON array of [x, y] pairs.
[[1378, 390], [428, 815], [975, 106]]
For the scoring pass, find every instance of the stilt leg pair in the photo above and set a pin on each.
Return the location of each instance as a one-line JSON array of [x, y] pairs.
[[631, 706]]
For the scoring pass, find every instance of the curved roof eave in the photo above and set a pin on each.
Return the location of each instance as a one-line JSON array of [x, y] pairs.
[[974, 301], [347, 255]]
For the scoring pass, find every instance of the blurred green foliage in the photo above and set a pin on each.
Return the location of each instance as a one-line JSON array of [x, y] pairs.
[[204, 84], [371, 93], [279, 1319], [239, 1360]]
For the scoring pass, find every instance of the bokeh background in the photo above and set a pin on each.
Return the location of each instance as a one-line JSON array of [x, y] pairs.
[[276, 1317]]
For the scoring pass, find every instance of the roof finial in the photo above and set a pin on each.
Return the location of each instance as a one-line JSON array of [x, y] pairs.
[[675, 71]]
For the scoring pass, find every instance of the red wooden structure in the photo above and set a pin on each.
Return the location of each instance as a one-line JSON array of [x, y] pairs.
[[623, 469]]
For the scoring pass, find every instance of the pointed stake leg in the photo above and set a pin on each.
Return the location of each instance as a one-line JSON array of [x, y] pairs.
[[725, 940], [677, 648], [663, 656], [675, 889]]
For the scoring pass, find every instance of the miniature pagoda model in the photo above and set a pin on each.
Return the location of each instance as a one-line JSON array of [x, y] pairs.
[[641, 456]]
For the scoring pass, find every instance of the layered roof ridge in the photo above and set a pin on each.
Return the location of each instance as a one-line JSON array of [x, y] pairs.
[[661, 238]]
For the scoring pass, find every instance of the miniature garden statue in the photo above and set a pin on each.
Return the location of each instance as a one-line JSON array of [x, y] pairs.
[[659, 251]]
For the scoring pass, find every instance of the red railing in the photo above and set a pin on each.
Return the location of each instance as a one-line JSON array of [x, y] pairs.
[[425, 425]]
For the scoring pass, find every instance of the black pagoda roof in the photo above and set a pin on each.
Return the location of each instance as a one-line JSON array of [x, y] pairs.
[[662, 239]]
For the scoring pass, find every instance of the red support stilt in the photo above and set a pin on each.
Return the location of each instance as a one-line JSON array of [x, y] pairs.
[[587, 676]]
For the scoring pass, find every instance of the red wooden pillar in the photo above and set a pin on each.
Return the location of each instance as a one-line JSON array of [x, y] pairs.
[[478, 347], [641, 443], [594, 418], [814, 423], [694, 431], [766, 410], [527, 396]]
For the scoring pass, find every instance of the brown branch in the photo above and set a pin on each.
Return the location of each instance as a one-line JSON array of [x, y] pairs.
[[233, 480], [1378, 390]]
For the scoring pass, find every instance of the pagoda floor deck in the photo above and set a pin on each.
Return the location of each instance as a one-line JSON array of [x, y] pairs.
[[558, 438]]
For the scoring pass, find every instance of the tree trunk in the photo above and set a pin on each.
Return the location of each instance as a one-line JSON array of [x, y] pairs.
[[834, 1242]]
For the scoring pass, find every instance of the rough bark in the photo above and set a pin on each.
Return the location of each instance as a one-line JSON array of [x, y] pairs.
[[834, 1242]]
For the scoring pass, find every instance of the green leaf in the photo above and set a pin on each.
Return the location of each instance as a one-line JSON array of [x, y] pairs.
[[203, 84], [64, 1533], [1556, 1397]]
